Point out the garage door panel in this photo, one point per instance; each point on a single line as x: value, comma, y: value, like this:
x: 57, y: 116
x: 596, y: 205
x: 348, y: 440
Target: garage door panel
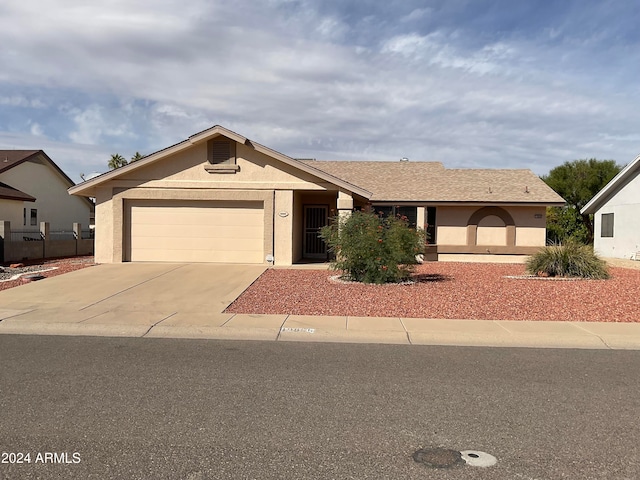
x: 203, y: 232
x: 196, y: 231
x: 170, y: 244
x: 190, y: 216
x: 196, y: 256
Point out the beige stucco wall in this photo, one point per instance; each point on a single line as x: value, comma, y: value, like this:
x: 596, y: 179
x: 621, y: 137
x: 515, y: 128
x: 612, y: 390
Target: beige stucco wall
x: 53, y: 203
x: 530, y: 226
x: 183, y: 176
x: 104, y: 239
x: 283, y: 227
x: 12, y: 211
x: 461, y: 257
x: 186, y: 169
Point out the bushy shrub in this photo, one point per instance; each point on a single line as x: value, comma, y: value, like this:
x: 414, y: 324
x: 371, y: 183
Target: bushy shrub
x: 372, y: 249
x: 569, y: 259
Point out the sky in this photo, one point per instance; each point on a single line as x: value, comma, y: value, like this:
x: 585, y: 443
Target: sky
x: 472, y: 84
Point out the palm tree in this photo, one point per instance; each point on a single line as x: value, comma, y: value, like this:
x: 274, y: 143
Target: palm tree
x: 116, y: 161
x: 136, y: 157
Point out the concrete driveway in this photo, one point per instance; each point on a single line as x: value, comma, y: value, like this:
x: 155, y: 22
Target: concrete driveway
x: 126, y: 299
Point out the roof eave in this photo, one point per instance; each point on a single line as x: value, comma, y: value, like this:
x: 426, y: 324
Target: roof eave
x: 88, y: 188
x: 475, y: 202
x: 609, y: 189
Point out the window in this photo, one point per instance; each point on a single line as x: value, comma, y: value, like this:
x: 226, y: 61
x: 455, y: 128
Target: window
x: 431, y: 225
x: 24, y: 216
x: 410, y: 212
x: 34, y: 217
x: 606, y: 225
x: 221, y: 156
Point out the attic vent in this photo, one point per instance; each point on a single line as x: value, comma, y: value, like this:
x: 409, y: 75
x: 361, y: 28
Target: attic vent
x: 221, y: 152
x: 221, y: 156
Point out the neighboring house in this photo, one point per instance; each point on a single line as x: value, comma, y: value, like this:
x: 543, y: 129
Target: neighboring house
x: 33, y: 189
x: 220, y: 197
x: 616, y: 215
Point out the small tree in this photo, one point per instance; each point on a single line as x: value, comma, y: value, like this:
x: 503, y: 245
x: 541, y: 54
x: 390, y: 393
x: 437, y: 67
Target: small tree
x: 136, y: 156
x: 371, y: 249
x: 577, y: 182
x: 563, y: 223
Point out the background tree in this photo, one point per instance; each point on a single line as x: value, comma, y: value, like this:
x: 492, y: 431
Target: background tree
x: 136, y: 156
x: 116, y: 161
x: 577, y: 182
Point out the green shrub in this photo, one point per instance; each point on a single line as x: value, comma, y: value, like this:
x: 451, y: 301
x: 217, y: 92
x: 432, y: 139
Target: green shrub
x: 372, y: 249
x: 569, y: 259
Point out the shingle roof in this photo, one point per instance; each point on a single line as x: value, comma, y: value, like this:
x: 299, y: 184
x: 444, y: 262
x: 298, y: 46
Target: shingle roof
x: 10, y: 158
x: 629, y: 172
x: 10, y: 193
x: 432, y: 182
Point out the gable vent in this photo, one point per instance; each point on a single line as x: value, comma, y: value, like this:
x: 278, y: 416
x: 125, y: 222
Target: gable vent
x: 221, y: 152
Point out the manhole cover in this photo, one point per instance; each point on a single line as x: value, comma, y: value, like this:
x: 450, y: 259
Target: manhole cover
x: 439, y: 457
x: 478, y: 459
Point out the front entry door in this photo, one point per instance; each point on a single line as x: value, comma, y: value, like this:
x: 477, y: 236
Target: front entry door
x: 315, y: 217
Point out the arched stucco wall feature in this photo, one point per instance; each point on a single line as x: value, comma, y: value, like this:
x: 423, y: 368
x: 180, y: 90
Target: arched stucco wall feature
x: 502, y: 214
x: 491, y: 231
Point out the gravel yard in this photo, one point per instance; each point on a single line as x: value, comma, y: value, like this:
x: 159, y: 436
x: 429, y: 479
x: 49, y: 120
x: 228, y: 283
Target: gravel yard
x: 46, y: 268
x: 449, y: 290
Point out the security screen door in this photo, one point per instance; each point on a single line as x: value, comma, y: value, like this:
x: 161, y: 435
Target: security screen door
x: 315, y: 217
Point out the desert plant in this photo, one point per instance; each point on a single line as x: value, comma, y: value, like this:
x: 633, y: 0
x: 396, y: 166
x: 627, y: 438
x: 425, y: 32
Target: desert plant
x: 569, y: 259
x: 372, y: 249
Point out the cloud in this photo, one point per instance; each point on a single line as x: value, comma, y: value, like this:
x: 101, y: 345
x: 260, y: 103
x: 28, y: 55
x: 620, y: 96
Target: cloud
x: 92, y: 125
x: 467, y: 83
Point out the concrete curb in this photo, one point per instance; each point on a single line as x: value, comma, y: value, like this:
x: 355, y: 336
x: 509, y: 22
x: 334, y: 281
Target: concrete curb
x: 394, y: 331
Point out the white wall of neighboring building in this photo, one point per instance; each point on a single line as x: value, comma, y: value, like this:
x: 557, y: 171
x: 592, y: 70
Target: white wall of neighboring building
x: 53, y: 202
x: 625, y: 206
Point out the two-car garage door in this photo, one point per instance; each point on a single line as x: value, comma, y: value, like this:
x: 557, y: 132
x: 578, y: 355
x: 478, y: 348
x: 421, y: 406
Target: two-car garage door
x: 195, y: 231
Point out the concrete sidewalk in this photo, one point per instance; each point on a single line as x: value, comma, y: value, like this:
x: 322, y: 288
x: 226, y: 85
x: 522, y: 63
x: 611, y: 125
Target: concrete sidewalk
x: 186, y: 301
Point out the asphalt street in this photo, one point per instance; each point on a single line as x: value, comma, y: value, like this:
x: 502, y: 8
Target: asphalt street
x: 140, y: 408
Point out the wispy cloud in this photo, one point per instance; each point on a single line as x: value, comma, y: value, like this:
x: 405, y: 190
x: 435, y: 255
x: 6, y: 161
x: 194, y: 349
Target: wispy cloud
x: 479, y: 83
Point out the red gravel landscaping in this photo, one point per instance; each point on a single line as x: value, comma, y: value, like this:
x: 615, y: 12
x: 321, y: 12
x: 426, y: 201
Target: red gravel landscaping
x: 58, y: 266
x: 448, y: 290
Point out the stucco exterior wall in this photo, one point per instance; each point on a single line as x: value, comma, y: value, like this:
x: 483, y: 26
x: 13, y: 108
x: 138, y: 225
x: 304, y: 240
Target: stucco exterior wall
x: 11, y: 211
x: 624, y: 205
x: 283, y: 227
x: 53, y: 203
x: 458, y: 234
x: 282, y: 189
x: 186, y: 169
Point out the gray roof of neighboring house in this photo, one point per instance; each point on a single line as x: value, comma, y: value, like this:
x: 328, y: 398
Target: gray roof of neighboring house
x: 627, y: 174
x: 9, y: 193
x: 12, y: 158
x: 432, y: 182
